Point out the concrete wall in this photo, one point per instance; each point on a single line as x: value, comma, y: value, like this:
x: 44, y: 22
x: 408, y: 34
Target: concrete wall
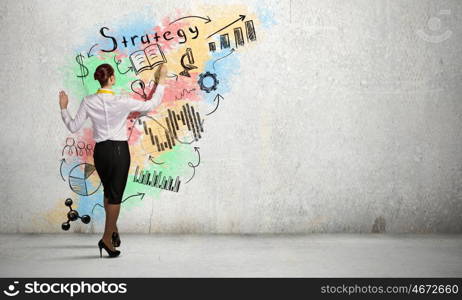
x: 345, y: 116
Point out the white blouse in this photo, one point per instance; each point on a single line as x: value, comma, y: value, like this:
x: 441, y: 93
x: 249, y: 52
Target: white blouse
x: 108, y: 113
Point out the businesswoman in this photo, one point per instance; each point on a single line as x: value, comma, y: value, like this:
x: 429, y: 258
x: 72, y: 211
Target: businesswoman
x: 108, y: 113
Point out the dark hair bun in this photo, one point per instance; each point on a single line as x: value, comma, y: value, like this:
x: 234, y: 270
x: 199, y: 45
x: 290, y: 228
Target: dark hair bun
x: 103, y: 72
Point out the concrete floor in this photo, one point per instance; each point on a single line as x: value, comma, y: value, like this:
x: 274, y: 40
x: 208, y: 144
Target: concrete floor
x: 316, y: 255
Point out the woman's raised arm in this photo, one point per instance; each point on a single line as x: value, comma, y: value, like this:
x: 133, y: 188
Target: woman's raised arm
x: 72, y: 124
x: 157, y: 90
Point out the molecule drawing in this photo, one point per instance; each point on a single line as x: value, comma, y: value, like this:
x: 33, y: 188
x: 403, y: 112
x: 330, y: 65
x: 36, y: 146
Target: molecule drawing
x: 73, y: 215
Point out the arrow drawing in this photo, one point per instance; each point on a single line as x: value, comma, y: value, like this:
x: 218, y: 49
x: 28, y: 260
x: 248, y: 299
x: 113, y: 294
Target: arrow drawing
x: 60, y: 168
x: 89, y: 51
x: 194, y: 166
x: 174, y: 76
x: 97, y: 204
x: 198, y: 163
x: 230, y: 52
x: 152, y: 160
x: 241, y: 18
x: 118, y: 62
x: 194, y: 173
x: 138, y: 194
x: 217, y: 98
x: 206, y: 19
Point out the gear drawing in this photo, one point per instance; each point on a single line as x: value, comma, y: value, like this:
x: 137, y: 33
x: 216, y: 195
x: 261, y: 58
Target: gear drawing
x: 212, y: 76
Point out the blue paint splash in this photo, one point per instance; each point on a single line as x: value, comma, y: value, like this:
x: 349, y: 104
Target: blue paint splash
x: 265, y: 15
x: 225, y: 69
x: 128, y: 26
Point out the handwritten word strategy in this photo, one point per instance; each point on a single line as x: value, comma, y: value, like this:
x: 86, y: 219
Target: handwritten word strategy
x: 182, y: 35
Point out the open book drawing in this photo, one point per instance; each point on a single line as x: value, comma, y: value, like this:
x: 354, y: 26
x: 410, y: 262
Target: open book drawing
x: 147, y: 59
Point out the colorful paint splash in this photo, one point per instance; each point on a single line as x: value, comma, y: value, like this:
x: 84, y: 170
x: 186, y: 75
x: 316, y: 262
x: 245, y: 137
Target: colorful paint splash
x: 201, y: 52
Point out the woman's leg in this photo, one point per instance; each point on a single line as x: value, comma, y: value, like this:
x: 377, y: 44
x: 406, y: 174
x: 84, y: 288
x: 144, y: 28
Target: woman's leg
x: 116, y: 187
x: 112, y: 213
x: 107, y: 225
x: 103, y: 160
x: 105, y: 208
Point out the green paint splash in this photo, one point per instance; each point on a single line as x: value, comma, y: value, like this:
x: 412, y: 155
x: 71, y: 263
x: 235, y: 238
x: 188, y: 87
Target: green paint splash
x: 81, y: 87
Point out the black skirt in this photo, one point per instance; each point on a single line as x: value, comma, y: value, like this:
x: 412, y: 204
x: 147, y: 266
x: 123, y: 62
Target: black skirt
x: 112, y: 162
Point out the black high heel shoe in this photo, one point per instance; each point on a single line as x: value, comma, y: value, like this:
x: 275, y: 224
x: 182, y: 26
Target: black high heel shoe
x: 115, y: 239
x: 111, y: 253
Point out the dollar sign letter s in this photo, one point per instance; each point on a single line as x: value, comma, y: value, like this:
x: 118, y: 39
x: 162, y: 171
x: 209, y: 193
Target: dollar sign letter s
x: 83, y: 70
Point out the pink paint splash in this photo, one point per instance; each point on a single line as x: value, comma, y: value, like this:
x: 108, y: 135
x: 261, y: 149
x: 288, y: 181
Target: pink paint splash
x: 182, y: 89
x: 133, y: 133
x: 87, y: 137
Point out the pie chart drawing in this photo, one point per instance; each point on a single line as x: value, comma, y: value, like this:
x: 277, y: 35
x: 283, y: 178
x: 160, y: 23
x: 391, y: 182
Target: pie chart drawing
x: 82, y: 184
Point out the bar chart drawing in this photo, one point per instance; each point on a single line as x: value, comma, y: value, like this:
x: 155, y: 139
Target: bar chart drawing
x: 224, y: 41
x: 238, y: 37
x: 174, y: 123
x: 155, y: 179
x: 238, y: 33
x: 250, y: 30
x: 212, y: 47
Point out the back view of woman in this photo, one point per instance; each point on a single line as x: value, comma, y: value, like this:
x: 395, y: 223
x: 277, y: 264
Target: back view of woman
x: 108, y: 113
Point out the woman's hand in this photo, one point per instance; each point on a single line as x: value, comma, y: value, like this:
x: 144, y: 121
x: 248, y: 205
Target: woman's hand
x: 160, y: 74
x: 159, y: 77
x: 63, y: 99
